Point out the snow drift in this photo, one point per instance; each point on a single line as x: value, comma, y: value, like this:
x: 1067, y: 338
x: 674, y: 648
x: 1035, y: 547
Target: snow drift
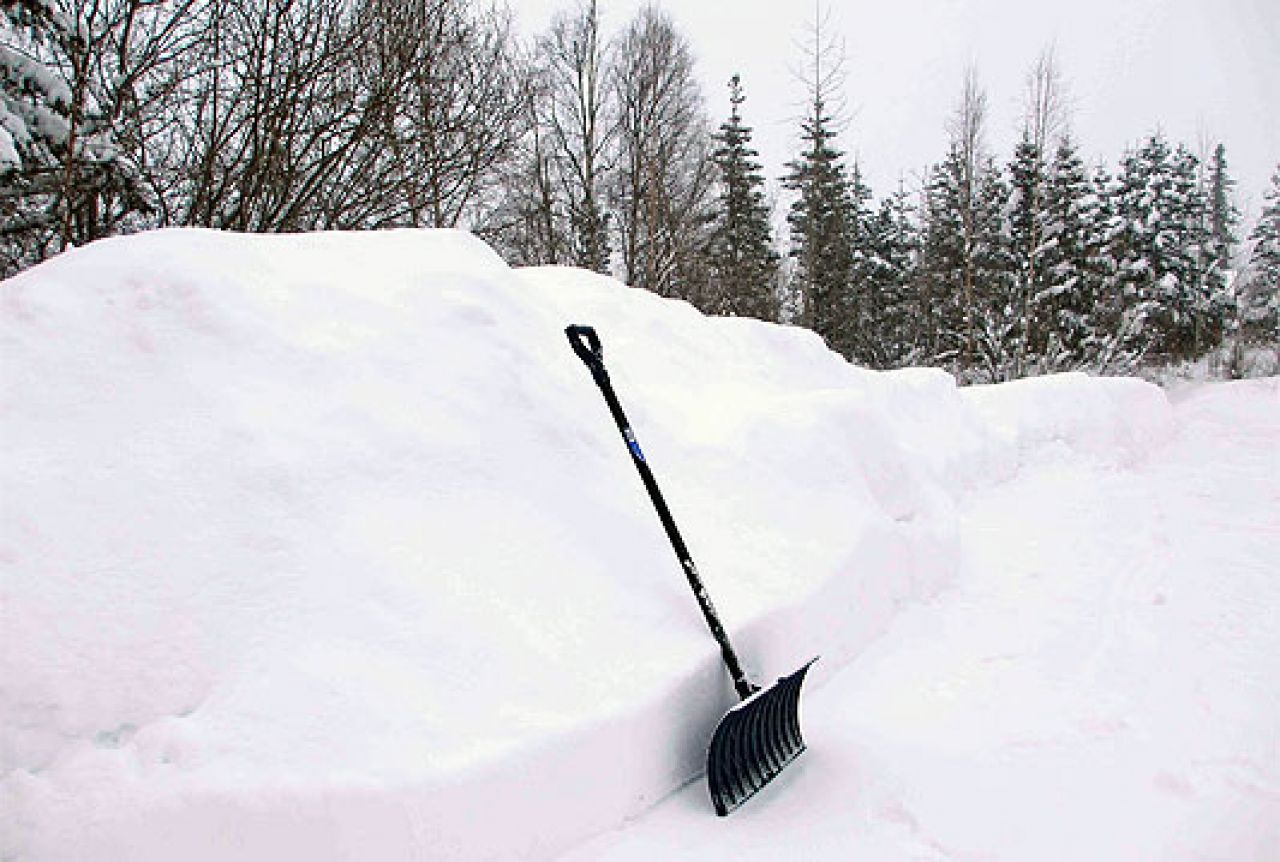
x: 324, y: 546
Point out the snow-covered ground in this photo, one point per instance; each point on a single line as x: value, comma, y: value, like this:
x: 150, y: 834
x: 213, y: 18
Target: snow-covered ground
x: 325, y: 547
x: 1101, y: 683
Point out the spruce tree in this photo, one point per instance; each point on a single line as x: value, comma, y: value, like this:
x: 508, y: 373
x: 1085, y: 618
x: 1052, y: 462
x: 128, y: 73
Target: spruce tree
x: 1065, y: 308
x: 966, y: 260
x: 944, y: 256
x: 1260, y: 296
x: 819, y: 222
x: 71, y: 120
x: 1169, y: 280
x: 743, y: 261
x: 1028, y: 178
x: 1203, y: 302
x: 968, y: 269
x: 1044, y: 124
x: 866, y: 268
x: 892, y: 309
x: 35, y: 127
x: 995, y: 267
x: 1152, y: 261
x: 820, y: 216
x: 1114, y: 343
x: 1224, y: 217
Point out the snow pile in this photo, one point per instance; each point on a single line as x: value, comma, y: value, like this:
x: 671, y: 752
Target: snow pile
x: 1098, y: 684
x: 325, y: 546
x: 1116, y: 420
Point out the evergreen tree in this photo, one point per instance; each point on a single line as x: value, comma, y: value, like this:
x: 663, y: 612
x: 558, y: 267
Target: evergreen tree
x: 1224, y: 217
x: 967, y: 270
x: 820, y: 216
x: 1133, y: 245
x: 943, y: 263
x: 1260, y: 296
x: 892, y: 309
x: 1065, y: 307
x: 74, y: 109
x: 1204, y: 305
x: 35, y: 107
x: 1113, y: 344
x: 966, y: 256
x: 819, y: 222
x: 866, y: 269
x: 1165, y: 281
x: 995, y: 267
x: 1028, y: 177
x: 743, y: 262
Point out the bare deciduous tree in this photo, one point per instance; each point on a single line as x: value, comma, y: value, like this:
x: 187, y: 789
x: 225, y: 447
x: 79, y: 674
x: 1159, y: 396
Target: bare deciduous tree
x: 455, y: 97
x: 530, y: 224
x: 967, y: 129
x: 1045, y: 103
x: 554, y: 210
x: 663, y: 188
x: 272, y: 116
x: 312, y: 114
x: 580, y: 127
x: 1044, y: 123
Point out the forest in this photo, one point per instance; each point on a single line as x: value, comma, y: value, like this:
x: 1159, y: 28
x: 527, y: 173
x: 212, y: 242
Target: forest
x: 600, y: 150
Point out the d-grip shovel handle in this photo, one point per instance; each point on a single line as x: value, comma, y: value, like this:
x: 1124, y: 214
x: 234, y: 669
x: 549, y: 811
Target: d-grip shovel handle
x: 586, y: 343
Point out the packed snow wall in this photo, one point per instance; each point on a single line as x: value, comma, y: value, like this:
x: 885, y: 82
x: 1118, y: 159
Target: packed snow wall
x: 326, y: 547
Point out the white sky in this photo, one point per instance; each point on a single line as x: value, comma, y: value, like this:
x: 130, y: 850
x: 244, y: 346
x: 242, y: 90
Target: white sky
x: 1198, y: 69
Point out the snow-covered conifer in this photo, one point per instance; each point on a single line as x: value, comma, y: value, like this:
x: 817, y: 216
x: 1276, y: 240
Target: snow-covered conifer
x: 944, y: 262
x: 967, y: 265
x: 1044, y: 122
x: 1224, y: 216
x: 1160, y: 204
x: 1065, y: 306
x: 1028, y: 228
x: 893, y: 309
x: 743, y: 261
x: 820, y: 216
x: 83, y: 96
x: 1260, y: 296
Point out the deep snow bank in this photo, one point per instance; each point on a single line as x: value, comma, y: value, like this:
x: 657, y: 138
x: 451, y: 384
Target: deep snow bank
x: 324, y: 546
x: 1112, y: 420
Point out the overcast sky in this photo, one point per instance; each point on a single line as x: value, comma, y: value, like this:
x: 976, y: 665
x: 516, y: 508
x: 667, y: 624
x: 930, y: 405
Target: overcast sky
x: 1198, y: 69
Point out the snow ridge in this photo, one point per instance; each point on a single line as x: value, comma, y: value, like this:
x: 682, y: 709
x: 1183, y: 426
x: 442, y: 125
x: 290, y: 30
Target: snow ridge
x: 325, y: 547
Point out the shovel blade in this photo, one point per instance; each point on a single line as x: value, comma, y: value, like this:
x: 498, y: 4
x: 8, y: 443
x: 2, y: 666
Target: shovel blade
x: 754, y: 742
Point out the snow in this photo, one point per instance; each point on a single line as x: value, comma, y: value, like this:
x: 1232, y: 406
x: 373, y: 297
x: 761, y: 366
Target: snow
x: 1098, y: 684
x: 325, y: 547
x: 18, y: 119
x: 9, y: 158
x: 29, y: 75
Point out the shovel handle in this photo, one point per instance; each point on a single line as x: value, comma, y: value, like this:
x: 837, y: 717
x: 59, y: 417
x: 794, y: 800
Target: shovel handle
x: 586, y: 343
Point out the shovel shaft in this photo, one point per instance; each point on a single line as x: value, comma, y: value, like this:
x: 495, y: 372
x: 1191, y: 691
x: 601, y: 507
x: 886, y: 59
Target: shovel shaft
x: 586, y: 344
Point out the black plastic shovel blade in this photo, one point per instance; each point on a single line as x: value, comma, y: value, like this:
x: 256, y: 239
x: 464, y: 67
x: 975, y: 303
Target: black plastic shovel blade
x: 755, y: 741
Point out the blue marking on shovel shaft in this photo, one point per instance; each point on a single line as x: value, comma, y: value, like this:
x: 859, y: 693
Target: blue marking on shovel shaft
x: 633, y: 445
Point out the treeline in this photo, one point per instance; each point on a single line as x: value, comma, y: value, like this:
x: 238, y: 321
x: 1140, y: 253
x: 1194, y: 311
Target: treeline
x: 596, y: 150
x: 1035, y: 264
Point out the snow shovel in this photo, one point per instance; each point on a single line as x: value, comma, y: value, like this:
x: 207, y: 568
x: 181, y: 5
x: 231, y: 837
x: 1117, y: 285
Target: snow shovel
x: 759, y: 736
